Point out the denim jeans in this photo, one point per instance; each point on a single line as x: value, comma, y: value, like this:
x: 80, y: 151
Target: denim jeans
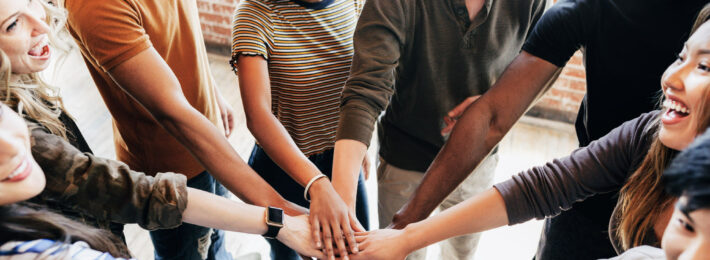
x: 191, y: 242
x: 292, y: 191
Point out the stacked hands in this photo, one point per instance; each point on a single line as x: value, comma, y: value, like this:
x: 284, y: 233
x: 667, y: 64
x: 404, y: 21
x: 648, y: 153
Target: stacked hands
x: 337, y: 234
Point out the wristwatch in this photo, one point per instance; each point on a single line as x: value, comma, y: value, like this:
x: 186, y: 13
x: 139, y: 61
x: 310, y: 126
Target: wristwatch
x: 274, y: 221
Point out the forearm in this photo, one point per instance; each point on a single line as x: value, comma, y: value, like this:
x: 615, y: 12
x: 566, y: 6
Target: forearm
x: 278, y: 144
x: 482, y: 212
x: 209, y: 210
x: 208, y: 145
x: 478, y: 131
x: 347, y: 160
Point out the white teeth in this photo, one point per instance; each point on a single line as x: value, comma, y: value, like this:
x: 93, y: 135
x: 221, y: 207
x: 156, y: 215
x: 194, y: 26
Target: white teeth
x: 677, y: 106
x: 17, y: 171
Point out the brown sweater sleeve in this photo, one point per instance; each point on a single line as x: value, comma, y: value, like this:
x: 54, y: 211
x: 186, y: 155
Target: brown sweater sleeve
x: 601, y: 167
x: 106, y: 189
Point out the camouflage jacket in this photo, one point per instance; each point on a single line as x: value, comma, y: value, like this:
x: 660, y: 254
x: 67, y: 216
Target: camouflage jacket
x: 98, y: 191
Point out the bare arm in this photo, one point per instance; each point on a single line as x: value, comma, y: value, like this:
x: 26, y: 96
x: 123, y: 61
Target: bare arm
x: 202, y: 207
x: 152, y: 83
x: 327, y: 208
x: 482, y: 212
x: 480, y: 128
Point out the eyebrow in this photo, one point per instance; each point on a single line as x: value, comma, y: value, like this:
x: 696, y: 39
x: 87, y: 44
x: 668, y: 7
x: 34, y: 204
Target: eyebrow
x: 11, y: 16
x: 687, y: 215
x: 704, y: 51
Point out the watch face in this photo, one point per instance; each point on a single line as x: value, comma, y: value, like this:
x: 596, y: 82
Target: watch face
x: 276, y: 215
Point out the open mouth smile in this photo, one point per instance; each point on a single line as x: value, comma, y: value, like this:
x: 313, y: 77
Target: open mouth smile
x: 676, y: 111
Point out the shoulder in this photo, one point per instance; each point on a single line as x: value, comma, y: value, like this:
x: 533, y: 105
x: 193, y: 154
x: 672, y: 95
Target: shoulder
x: 642, y: 253
x: 257, y: 6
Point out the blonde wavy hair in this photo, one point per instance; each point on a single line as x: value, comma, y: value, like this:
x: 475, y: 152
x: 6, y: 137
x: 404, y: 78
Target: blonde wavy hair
x: 29, y: 94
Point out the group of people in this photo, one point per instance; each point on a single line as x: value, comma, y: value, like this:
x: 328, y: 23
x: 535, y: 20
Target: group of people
x: 451, y: 77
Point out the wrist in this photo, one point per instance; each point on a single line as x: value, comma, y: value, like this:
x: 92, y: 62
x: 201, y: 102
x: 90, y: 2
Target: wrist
x: 319, y: 186
x: 412, y: 238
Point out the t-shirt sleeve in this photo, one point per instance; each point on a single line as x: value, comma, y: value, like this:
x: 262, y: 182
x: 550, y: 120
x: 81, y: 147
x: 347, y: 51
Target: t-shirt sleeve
x: 601, y: 167
x: 111, y: 32
x: 561, y: 31
x: 251, y: 30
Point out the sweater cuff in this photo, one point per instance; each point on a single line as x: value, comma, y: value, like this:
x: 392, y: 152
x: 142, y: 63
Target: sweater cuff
x: 515, y: 201
x: 356, y: 123
x: 169, y: 201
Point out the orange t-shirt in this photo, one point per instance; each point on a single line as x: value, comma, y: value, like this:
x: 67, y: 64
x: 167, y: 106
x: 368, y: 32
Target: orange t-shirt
x: 113, y: 31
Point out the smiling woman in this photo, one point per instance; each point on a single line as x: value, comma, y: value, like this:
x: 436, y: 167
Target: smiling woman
x: 28, y: 30
x: 29, y: 232
x: 20, y: 176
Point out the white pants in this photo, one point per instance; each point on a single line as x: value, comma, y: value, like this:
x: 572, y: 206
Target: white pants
x: 396, y: 185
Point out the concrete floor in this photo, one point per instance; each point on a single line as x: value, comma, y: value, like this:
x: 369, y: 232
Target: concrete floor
x: 531, y: 142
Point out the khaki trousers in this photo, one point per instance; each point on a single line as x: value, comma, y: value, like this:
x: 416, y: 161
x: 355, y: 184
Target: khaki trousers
x: 396, y: 185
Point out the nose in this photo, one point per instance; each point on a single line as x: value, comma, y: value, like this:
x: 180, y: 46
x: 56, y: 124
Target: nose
x: 8, y: 147
x: 36, y: 18
x: 674, y: 75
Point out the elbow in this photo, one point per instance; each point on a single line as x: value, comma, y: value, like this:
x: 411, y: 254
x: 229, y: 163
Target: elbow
x: 497, y: 126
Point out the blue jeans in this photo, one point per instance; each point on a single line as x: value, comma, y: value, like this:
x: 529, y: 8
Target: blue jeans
x: 189, y: 241
x: 292, y: 191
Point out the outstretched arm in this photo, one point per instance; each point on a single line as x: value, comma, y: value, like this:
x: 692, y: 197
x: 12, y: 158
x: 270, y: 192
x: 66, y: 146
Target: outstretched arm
x: 482, y: 212
x: 81, y: 180
x: 148, y: 79
x: 202, y: 207
x: 327, y: 211
x: 478, y: 130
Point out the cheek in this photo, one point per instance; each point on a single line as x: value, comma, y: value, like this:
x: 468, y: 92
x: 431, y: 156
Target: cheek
x: 672, y: 244
x: 17, y: 54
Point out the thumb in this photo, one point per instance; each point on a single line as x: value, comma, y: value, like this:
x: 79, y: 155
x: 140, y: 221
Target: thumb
x: 355, y: 224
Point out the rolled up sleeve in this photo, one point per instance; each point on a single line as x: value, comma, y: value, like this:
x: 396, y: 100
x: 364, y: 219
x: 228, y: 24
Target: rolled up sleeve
x: 106, y: 189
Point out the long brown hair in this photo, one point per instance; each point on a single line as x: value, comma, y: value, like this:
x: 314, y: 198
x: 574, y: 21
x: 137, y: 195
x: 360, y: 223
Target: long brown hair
x: 643, y: 198
x: 26, y: 222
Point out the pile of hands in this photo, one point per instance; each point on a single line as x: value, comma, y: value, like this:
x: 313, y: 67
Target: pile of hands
x: 332, y: 231
x: 313, y: 238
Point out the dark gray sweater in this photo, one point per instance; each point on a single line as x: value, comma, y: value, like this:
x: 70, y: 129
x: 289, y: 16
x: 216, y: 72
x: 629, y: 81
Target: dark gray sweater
x: 601, y: 167
x: 418, y: 59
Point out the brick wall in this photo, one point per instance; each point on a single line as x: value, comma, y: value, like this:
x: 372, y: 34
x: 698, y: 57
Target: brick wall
x: 560, y: 103
x: 216, y: 19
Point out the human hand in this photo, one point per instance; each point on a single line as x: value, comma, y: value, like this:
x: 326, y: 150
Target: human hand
x: 453, y: 115
x: 227, y: 113
x: 331, y: 220
x: 296, y: 234
x: 401, y: 219
x: 382, y: 244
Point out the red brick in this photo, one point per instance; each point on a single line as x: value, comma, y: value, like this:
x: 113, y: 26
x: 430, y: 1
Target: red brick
x: 576, y: 59
x: 574, y: 71
x: 215, y: 19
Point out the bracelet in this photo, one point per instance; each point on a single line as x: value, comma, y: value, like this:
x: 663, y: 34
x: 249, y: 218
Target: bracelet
x: 314, y: 179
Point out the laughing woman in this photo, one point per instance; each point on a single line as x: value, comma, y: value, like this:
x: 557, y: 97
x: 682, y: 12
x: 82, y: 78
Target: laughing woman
x: 84, y: 187
x: 632, y: 158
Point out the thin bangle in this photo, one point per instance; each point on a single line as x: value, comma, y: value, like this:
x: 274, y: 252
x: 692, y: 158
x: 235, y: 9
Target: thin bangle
x: 314, y: 179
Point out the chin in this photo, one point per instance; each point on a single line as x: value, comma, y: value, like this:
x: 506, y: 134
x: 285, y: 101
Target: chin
x: 673, y: 140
